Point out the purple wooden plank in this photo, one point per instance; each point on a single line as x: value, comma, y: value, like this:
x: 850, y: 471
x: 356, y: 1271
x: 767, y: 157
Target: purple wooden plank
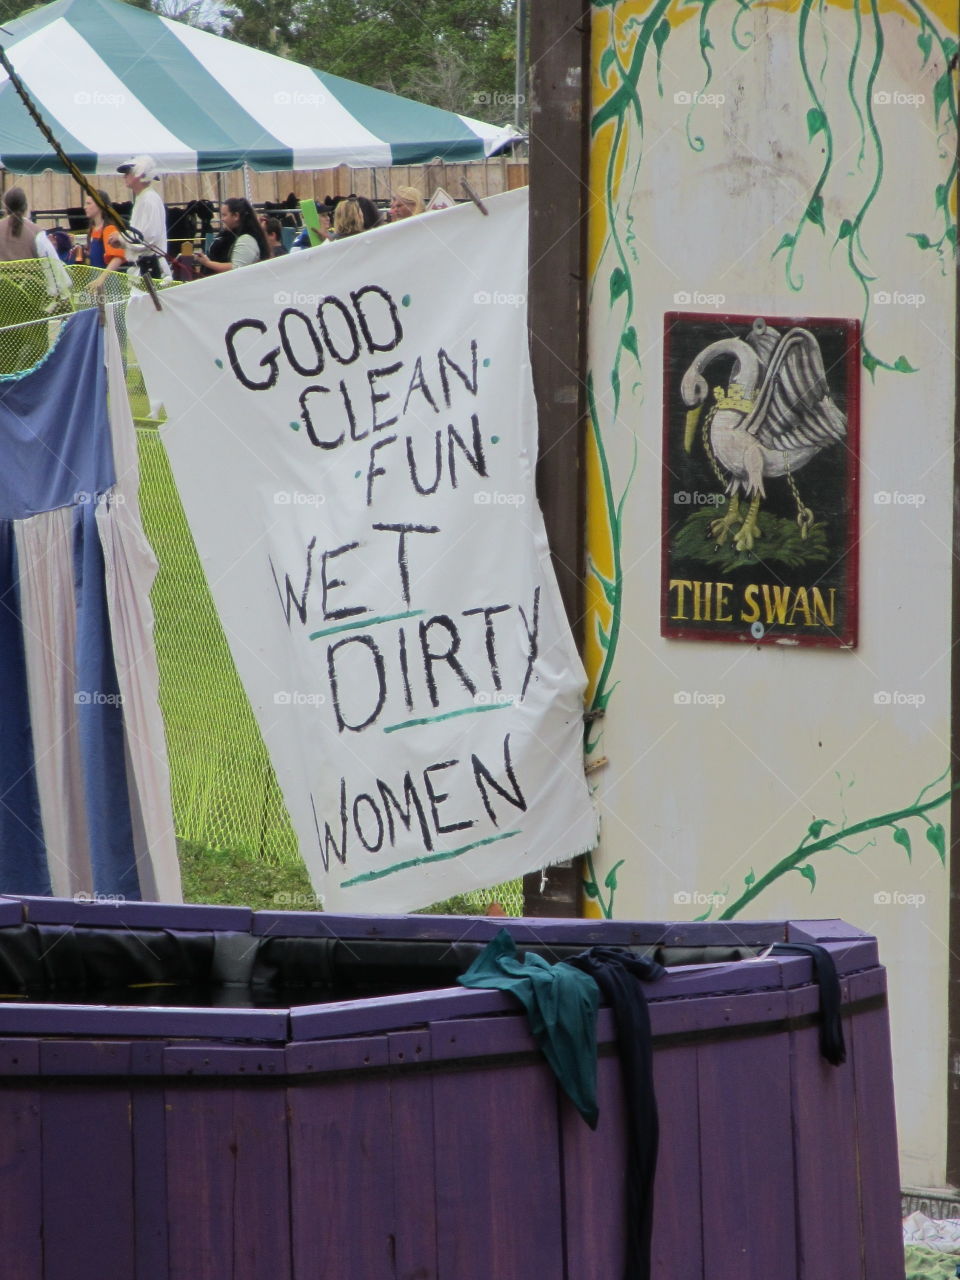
x: 11, y: 911
x: 386, y: 1013
x: 475, y: 1037
x: 868, y: 1042
x: 342, y: 1190
x: 684, y: 981
x: 746, y: 1160
x: 686, y: 1017
x: 146, y: 1058
x: 261, y: 1203
x: 825, y: 1159
x: 320, y: 1056
x: 21, y: 1222
x: 150, y: 1180
x: 677, y: 1248
x: 84, y: 1058
x: 136, y: 915
x: 499, y: 1184
x: 87, y: 1183
x: 179, y: 1060
x: 414, y: 1172
x: 584, y: 933
x: 394, y: 1013
x: 19, y: 1058
x: 116, y: 1020
x: 594, y: 1181
x: 200, y: 1139
x: 822, y: 931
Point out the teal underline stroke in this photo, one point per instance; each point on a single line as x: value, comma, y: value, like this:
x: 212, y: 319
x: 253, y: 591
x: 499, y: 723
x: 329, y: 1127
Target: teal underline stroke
x: 361, y: 623
x: 419, y: 862
x: 448, y: 715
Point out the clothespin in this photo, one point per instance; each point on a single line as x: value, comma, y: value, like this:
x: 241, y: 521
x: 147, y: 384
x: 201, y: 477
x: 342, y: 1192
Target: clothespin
x: 474, y: 197
x: 101, y: 309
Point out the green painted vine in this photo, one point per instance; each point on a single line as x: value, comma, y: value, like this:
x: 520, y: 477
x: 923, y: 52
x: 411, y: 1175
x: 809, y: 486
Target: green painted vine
x: 818, y: 839
x: 624, y: 108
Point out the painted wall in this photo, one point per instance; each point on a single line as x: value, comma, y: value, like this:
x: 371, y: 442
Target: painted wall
x: 781, y: 159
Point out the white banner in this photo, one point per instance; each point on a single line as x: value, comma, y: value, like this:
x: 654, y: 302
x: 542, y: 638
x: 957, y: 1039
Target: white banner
x: 353, y: 433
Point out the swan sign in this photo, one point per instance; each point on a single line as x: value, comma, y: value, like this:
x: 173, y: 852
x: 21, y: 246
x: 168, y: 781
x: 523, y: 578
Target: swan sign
x: 352, y: 430
x: 760, y: 479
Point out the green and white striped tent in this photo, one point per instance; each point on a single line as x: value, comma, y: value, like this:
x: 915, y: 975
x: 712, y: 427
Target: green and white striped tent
x: 114, y: 81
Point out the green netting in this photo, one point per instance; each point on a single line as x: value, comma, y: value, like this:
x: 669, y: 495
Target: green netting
x: 225, y: 793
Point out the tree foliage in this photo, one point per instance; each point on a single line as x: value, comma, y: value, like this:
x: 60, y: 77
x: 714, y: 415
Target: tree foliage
x: 456, y: 54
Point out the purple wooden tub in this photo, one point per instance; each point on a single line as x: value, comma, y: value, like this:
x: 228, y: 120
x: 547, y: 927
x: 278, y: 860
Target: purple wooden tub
x: 158, y: 1118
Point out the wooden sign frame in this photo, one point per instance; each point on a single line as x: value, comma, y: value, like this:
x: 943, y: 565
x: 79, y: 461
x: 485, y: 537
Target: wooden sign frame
x: 760, y: 479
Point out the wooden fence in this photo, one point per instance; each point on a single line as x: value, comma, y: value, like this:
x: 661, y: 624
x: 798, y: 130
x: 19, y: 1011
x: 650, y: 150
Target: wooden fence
x: 57, y: 192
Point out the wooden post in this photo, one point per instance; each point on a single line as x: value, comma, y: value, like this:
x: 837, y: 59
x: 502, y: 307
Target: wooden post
x: 953, y: 950
x: 559, y: 154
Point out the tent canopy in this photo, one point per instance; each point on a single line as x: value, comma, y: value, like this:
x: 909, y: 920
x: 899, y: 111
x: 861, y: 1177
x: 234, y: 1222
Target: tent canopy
x: 114, y: 81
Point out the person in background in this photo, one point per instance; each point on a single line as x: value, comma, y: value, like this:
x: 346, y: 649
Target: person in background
x: 21, y: 239
x: 370, y: 212
x: 406, y: 202
x: 250, y: 245
x: 302, y: 239
x: 273, y: 230
x: 104, y: 247
x: 62, y: 242
x: 148, y: 216
x: 348, y: 219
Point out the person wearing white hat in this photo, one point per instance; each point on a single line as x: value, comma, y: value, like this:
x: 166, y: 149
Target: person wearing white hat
x: 148, y: 216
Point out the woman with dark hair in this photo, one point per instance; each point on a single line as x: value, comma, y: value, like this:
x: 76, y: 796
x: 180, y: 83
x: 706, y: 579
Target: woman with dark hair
x: 250, y: 245
x: 104, y: 248
x: 19, y: 237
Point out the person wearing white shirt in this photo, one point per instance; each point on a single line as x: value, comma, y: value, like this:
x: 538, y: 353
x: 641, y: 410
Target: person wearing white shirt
x: 148, y: 216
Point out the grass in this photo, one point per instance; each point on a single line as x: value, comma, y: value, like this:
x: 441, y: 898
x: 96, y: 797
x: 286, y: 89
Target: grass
x: 233, y: 879
x: 780, y: 542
